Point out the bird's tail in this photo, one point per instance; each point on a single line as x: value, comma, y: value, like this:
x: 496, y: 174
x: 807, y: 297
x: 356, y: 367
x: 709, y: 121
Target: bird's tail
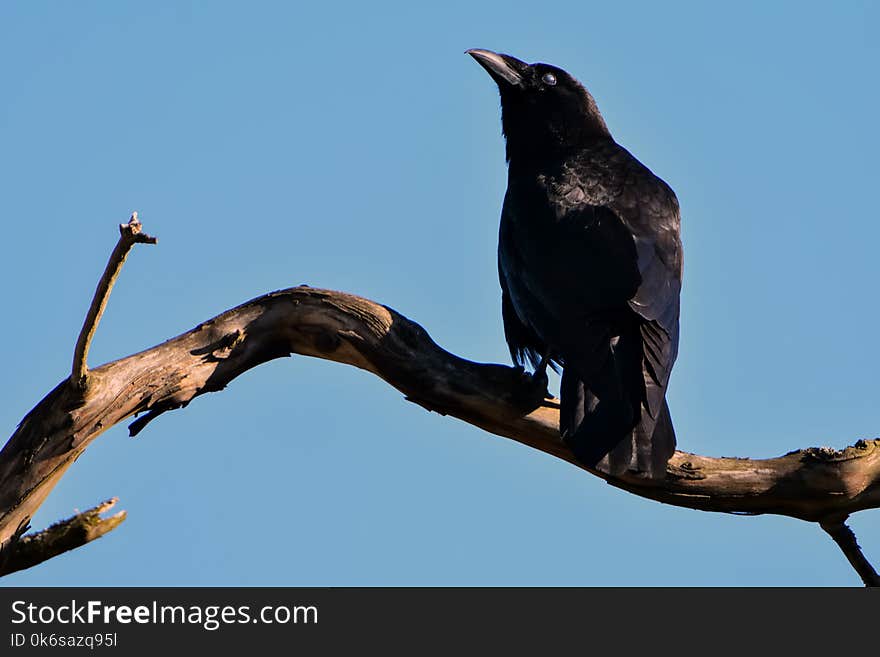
x: 608, y: 425
x: 653, y: 444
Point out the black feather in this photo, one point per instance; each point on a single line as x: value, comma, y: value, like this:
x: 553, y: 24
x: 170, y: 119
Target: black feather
x: 589, y: 260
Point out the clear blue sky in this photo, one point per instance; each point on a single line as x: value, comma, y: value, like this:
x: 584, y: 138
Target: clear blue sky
x: 356, y: 147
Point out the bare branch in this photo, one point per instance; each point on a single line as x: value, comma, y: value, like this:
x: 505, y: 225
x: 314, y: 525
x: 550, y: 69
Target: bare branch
x: 846, y: 541
x: 129, y: 235
x: 810, y: 484
x: 61, y: 537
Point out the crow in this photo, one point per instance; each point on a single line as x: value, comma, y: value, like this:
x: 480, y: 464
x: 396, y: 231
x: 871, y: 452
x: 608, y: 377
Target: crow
x: 590, y: 264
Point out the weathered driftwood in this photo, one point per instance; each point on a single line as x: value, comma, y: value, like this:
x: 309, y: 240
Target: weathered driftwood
x: 815, y: 484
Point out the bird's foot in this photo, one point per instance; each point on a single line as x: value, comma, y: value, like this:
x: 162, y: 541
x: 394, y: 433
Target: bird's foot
x: 531, y: 387
x: 540, y: 381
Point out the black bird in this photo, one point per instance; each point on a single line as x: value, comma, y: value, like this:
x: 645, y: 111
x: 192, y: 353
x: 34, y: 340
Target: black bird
x: 590, y: 262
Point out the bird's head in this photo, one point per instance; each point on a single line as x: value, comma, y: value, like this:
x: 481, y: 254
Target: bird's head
x: 545, y: 112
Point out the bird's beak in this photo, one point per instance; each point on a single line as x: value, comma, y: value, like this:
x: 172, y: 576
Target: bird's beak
x: 504, y: 69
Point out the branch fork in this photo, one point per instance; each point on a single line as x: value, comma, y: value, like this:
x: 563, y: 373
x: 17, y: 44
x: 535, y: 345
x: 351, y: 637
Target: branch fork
x: 129, y: 235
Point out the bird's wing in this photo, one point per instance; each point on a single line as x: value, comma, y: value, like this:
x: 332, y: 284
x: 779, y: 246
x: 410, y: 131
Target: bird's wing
x: 643, y: 369
x: 654, y: 221
x: 649, y: 215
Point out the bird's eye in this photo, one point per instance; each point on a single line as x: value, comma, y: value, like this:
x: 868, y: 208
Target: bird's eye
x: 549, y: 79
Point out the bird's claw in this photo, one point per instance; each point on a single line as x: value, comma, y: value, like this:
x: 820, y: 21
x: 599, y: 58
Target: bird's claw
x: 541, y: 382
x: 532, y: 387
